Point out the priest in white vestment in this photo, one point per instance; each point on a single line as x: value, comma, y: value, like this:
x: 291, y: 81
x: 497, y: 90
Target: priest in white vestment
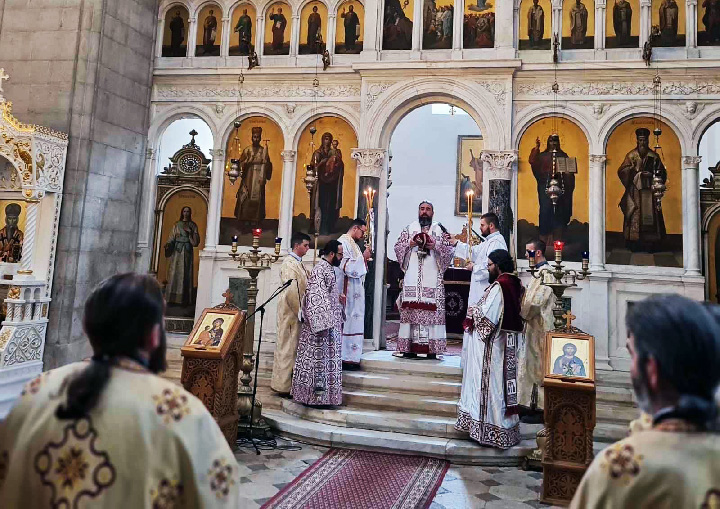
x: 479, y: 281
x: 424, y: 255
x: 351, y: 283
x: 109, y: 432
x: 288, y: 313
x: 536, y: 310
x: 488, y: 404
x: 317, y: 377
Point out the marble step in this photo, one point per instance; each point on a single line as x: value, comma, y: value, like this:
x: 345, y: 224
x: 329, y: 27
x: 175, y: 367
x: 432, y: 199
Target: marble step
x: 615, y: 413
x: 401, y: 402
x: 382, y: 361
x: 414, y: 384
x: 459, y: 451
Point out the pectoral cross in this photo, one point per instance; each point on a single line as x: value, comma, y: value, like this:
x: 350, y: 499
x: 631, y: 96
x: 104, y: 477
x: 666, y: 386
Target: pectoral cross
x: 3, y: 77
x: 228, y: 297
x: 569, y: 317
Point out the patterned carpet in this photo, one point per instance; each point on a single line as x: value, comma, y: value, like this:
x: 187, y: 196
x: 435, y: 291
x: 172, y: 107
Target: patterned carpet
x: 363, y: 480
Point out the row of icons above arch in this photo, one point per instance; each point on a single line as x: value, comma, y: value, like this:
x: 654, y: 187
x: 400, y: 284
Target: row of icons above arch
x: 622, y: 26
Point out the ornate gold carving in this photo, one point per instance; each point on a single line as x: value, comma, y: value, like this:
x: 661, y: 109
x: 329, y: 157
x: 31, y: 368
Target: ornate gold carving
x: 14, y: 292
x: 6, y: 109
x: 5, y: 337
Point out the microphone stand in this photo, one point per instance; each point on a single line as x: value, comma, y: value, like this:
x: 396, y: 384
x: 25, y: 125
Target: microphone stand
x: 260, y: 309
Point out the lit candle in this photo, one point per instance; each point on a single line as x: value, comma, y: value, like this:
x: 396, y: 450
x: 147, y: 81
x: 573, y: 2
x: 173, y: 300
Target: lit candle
x: 257, y: 232
x: 531, y: 257
x: 558, y: 244
x: 234, y: 243
x: 585, y: 260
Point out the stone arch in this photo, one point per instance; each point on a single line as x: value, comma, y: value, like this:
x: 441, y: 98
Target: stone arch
x: 239, y: 3
x: 162, y: 121
x: 531, y: 115
x: 336, y: 4
x: 186, y: 187
x: 675, y: 122
x: 200, y: 6
x: 254, y: 111
x: 328, y: 111
x: 703, y: 123
x: 403, y: 97
x: 167, y: 6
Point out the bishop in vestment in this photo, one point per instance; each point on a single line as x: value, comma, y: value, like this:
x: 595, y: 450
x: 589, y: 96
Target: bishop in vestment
x: 288, y: 313
x: 351, y: 282
x: 424, y: 255
x: 488, y: 399
x: 317, y: 377
x: 108, y: 432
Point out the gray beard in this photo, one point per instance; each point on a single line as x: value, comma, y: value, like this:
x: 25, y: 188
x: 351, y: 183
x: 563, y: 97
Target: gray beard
x: 425, y: 221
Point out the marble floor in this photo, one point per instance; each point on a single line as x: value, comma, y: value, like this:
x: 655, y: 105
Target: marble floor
x: 261, y: 477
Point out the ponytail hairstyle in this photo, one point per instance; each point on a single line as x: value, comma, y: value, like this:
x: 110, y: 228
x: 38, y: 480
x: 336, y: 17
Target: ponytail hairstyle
x: 119, y: 316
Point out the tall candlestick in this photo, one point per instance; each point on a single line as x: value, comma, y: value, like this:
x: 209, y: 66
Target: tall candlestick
x: 469, y: 194
x: 558, y: 245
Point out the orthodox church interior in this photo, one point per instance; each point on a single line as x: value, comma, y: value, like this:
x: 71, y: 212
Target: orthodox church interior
x: 140, y: 115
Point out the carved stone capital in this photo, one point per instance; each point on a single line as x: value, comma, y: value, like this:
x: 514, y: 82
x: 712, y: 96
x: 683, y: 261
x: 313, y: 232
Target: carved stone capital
x: 498, y: 164
x: 369, y: 161
x: 598, y: 158
x: 288, y: 156
x: 150, y: 153
x: 691, y: 162
x: 217, y: 153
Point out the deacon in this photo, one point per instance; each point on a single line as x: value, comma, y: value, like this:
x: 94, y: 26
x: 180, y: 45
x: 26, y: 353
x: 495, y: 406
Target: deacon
x: 644, y: 225
x: 288, y: 313
x: 351, y: 283
x: 488, y: 404
x: 674, y: 347
x: 317, y: 377
x: 537, y: 306
x: 424, y: 255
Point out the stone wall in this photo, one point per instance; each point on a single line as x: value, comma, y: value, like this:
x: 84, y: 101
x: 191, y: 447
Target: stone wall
x: 84, y: 67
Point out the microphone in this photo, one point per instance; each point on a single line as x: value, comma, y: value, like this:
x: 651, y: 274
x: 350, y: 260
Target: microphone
x: 444, y: 230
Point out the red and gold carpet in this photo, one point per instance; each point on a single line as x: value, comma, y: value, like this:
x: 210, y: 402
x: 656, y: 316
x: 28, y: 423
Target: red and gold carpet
x: 363, y: 480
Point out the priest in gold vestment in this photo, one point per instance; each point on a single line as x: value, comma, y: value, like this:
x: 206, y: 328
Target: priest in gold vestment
x: 288, y: 313
x: 674, y: 346
x: 109, y: 432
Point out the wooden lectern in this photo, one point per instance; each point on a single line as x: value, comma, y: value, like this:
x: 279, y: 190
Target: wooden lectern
x: 569, y: 387
x: 211, y: 362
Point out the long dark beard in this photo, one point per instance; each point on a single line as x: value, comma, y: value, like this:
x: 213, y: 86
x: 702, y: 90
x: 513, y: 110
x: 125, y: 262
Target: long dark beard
x: 424, y: 220
x: 492, y: 278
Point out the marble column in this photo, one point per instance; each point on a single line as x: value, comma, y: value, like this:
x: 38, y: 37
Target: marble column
x: 498, y: 168
x: 225, y: 41
x: 215, y: 205
x: 192, y: 37
x: 556, y: 22
x: 370, y: 164
x: 516, y: 26
x: 459, y: 9
x: 259, y: 35
x: 331, y: 28
x: 596, y: 209
x: 645, y: 21
x: 31, y: 224
x: 146, y: 243
x: 295, y: 35
x: 417, y: 29
x: 600, y: 20
x: 159, y: 37
x: 691, y: 215
x: 287, y: 195
x: 372, y: 27
x: 691, y: 25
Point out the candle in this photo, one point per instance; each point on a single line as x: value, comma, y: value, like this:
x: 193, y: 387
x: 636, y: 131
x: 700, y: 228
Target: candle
x: 234, y: 243
x: 531, y: 257
x: 558, y: 244
x: 585, y: 260
x: 257, y: 232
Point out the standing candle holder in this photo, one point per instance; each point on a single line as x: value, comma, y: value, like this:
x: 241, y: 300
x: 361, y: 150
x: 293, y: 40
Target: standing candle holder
x: 310, y: 181
x: 370, y: 218
x: 254, y: 262
x: 470, y: 194
x: 561, y: 275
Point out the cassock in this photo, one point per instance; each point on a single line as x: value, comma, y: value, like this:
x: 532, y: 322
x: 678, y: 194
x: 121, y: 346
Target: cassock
x: 537, y: 306
x: 288, y: 322
x: 148, y: 443
x: 317, y: 377
x: 488, y: 399
x: 480, y: 275
x: 350, y: 277
x: 257, y: 170
x: 671, y: 465
x: 422, y: 299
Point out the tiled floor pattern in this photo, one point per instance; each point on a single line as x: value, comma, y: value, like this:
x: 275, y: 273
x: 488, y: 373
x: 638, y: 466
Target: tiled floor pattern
x: 261, y: 477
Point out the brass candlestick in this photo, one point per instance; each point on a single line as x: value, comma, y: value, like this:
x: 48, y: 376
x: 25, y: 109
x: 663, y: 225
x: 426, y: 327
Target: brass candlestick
x: 310, y: 181
x: 469, y: 196
x: 254, y: 262
x: 369, y: 217
x: 560, y: 285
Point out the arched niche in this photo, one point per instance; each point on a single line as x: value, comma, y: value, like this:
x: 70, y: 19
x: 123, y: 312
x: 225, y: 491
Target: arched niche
x: 578, y: 25
x: 438, y: 24
x: 175, y: 33
x: 398, y: 24
x: 242, y: 38
x: 638, y: 229
x: 313, y: 28
x: 278, y: 27
x: 479, y: 24
x: 535, y: 25
x: 622, y: 24
x: 331, y: 207
x: 668, y: 21
x: 209, y: 31
x: 537, y: 218
x: 175, y: 135
x: 253, y: 200
x: 349, y: 30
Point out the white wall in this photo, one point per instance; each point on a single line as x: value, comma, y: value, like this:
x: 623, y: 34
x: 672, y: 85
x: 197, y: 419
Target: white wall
x: 709, y: 150
x: 426, y: 144
x: 176, y: 135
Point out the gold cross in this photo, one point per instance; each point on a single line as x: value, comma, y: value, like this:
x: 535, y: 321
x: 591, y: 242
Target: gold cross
x: 569, y: 317
x: 228, y: 297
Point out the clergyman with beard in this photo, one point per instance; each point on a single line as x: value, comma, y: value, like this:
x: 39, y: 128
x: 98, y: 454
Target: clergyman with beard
x: 424, y: 255
x: 674, y: 347
x: 317, y: 376
x: 110, y: 426
x: 488, y: 406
